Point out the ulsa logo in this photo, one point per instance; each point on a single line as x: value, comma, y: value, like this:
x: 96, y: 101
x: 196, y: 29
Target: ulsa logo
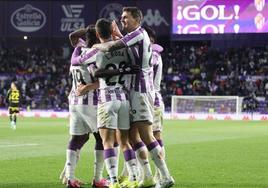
x: 111, y: 11
x: 72, y: 11
x: 28, y: 19
x: 154, y: 18
x: 72, y: 20
x: 259, y: 4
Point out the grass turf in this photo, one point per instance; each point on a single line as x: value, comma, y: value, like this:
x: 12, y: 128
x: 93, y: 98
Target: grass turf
x: 199, y: 153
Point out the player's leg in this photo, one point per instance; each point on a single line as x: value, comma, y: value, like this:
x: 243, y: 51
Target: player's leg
x: 10, y: 114
x: 75, y: 144
x: 110, y: 158
x: 141, y: 152
x: 79, y: 132
x: 107, y: 124
x: 98, y: 180
x: 144, y: 126
x: 157, y: 128
x: 16, y: 111
x: 117, y: 151
x: 11, y: 118
x: 123, y: 135
x: 137, y: 110
x: 158, y: 137
x: 72, y: 153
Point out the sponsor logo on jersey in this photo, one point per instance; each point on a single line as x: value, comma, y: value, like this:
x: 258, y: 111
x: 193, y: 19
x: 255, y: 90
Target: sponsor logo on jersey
x: 28, y: 19
x: 72, y: 20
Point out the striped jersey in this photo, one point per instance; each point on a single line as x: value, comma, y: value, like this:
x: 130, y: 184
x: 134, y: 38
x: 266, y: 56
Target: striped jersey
x: 112, y: 87
x: 139, y: 43
x: 82, y: 74
x: 157, y: 67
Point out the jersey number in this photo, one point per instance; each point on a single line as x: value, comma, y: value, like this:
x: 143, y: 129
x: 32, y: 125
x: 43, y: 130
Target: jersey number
x: 78, y: 77
x: 122, y: 64
x: 15, y: 96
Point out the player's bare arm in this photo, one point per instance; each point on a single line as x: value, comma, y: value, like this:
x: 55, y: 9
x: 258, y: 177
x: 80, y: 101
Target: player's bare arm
x: 74, y: 36
x: 83, y: 89
x: 110, y: 46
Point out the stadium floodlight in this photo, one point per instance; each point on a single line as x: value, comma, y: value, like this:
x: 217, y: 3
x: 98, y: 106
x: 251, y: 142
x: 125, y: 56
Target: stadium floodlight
x: 206, y: 105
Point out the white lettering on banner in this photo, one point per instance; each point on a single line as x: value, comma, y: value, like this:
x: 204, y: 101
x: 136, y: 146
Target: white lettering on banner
x: 72, y: 21
x: 72, y: 11
x: 196, y: 29
x: 28, y: 19
x: 154, y: 19
x: 208, y: 13
x: 193, y: 13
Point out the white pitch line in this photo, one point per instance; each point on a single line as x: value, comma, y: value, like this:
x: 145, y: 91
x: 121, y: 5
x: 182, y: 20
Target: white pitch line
x: 17, y: 145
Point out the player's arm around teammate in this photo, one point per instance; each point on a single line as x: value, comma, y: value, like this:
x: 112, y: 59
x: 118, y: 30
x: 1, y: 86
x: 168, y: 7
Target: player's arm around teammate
x: 113, y: 106
x: 83, y: 112
x: 142, y: 93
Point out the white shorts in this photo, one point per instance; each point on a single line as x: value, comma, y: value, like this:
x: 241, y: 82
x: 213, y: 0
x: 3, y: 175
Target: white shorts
x: 159, y: 109
x: 142, y: 106
x: 83, y: 119
x: 114, y: 115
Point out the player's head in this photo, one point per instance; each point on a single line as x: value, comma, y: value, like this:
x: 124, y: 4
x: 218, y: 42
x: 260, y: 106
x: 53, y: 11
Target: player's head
x: 131, y: 18
x: 91, y: 37
x: 103, y: 28
x: 151, y: 34
x: 13, y: 85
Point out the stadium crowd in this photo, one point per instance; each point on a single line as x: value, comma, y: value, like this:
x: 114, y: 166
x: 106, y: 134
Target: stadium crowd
x: 43, y: 74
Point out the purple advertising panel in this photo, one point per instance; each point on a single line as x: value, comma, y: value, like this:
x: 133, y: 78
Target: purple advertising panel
x: 156, y: 14
x: 72, y: 15
x: 219, y: 16
x: 1, y: 18
x: 112, y: 10
x: 27, y: 18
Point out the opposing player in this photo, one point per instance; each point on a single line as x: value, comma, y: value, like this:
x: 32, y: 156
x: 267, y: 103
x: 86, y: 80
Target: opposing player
x: 83, y: 109
x: 13, y: 101
x: 142, y: 94
x: 113, y: 106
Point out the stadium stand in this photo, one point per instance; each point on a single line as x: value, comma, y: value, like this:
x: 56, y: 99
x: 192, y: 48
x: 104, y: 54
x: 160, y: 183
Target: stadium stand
x: 42, y: 74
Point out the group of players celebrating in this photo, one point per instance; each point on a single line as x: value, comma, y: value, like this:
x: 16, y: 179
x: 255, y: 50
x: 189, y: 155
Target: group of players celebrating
x: 116, y: 96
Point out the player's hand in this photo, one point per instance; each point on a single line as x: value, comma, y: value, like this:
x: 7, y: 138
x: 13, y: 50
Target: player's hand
x: 81, y: 43
x: 134, y: 69
x: 116, y: 33
x: 81, y: 90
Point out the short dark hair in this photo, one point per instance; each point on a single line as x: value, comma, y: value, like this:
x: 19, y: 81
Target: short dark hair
x: 91, y: 37
x: 135, y: 13
x: 151, y: 32
x: 104, y: 28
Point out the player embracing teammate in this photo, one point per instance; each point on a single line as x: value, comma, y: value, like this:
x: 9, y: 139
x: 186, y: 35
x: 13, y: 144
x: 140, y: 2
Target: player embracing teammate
x: 116, y: 59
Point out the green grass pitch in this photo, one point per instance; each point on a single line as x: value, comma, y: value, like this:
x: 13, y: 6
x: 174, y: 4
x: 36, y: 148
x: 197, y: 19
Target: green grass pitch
x: 211, y: 154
